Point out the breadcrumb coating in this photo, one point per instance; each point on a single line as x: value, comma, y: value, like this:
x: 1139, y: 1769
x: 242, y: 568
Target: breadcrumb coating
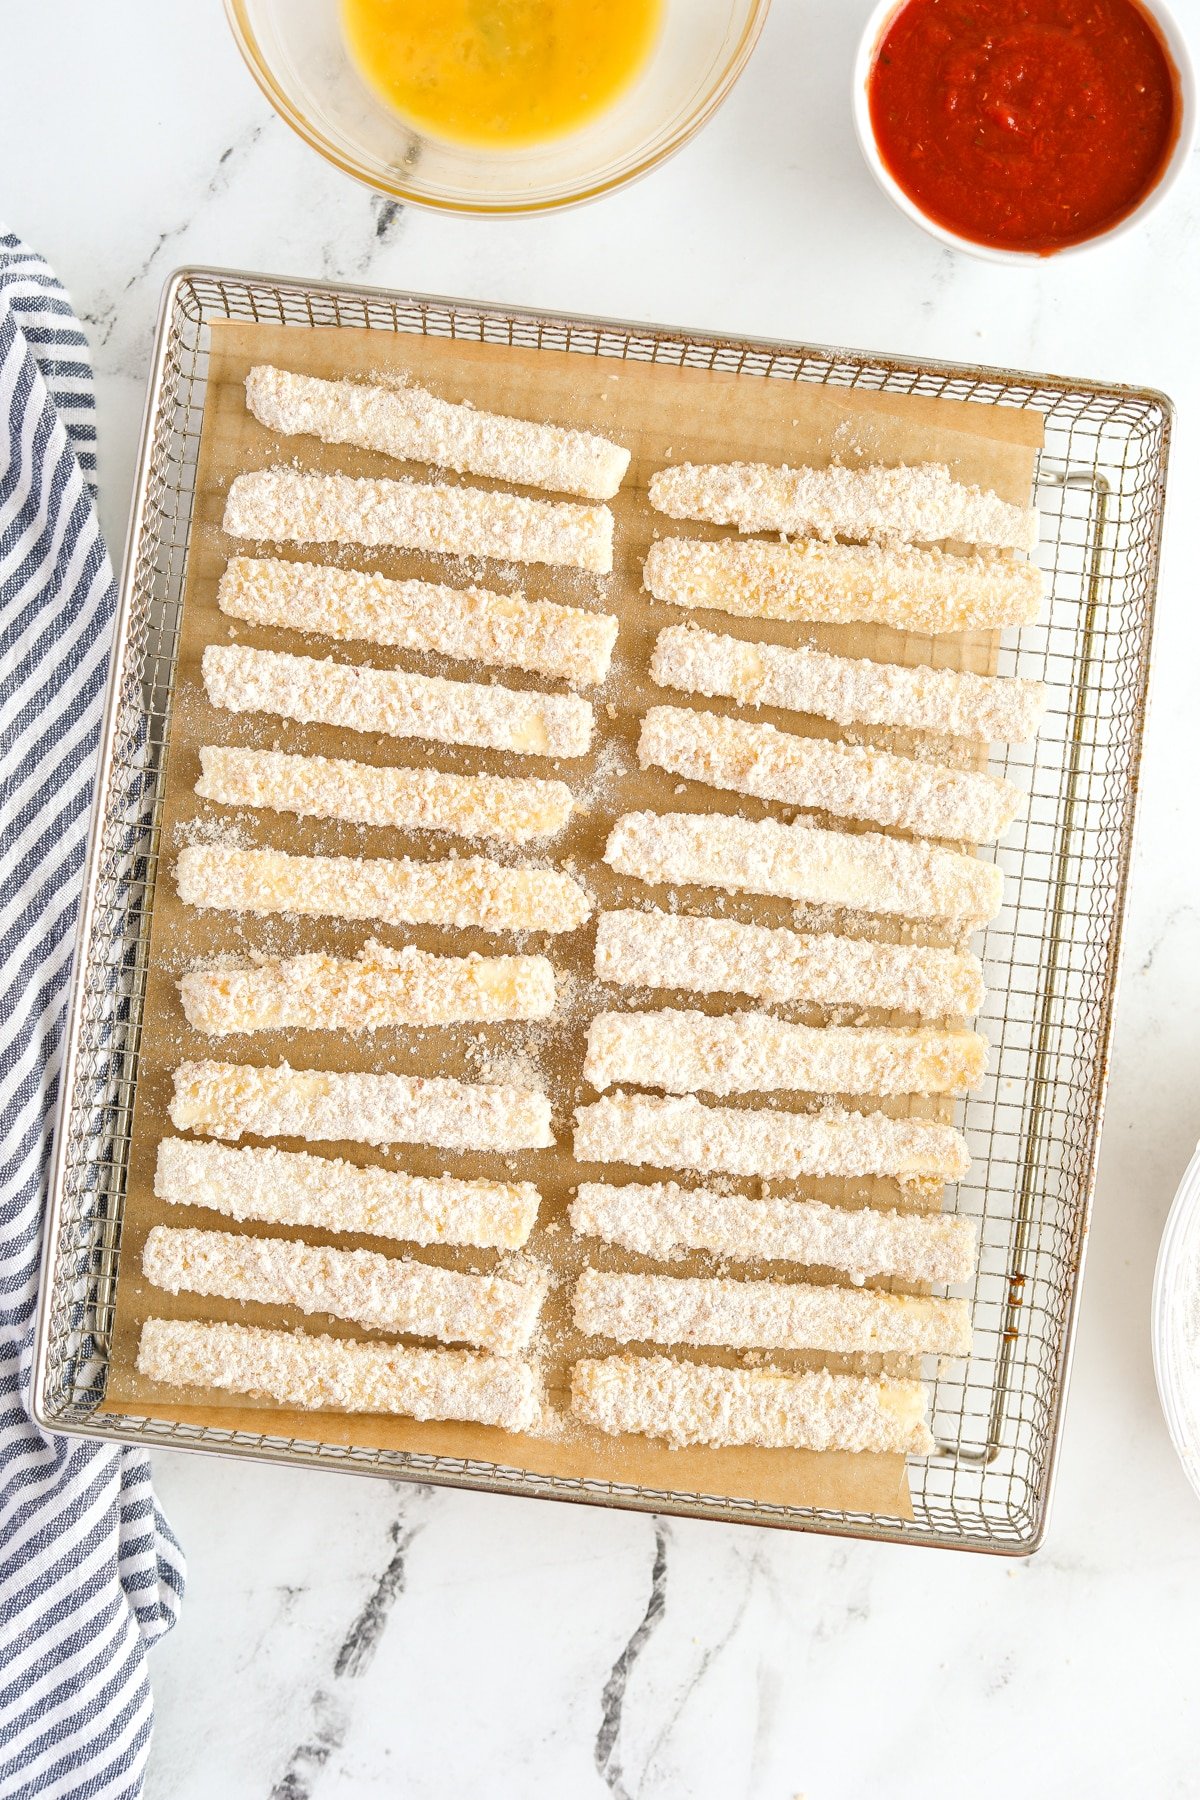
x: 340, y: 1374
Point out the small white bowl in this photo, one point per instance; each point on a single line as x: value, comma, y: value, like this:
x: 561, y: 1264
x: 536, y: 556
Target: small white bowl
x: 1174, y: 1315
x: 881, y: 17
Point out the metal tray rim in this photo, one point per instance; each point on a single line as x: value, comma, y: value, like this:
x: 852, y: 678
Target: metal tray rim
x: 127, y: 1429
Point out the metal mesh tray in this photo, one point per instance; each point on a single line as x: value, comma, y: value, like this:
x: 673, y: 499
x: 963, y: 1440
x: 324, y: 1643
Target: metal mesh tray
x: 1051, y: 957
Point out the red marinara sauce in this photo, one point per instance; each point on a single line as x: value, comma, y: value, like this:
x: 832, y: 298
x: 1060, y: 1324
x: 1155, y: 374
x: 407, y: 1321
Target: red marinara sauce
x: 1024, y: 124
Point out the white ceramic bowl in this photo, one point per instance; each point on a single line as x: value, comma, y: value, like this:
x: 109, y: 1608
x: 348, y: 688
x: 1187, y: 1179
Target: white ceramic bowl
x: 1175, y: 1322
x: 881, y: 17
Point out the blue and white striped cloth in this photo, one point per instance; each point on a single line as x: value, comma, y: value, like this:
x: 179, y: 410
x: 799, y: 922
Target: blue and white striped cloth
x: 89, y: 1571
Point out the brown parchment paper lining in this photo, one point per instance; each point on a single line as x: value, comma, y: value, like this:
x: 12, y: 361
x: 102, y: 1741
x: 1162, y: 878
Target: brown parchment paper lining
x: 663, y: 414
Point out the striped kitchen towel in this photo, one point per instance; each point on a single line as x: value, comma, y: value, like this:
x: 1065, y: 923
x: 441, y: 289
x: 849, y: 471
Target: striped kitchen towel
x: 89, y: 1571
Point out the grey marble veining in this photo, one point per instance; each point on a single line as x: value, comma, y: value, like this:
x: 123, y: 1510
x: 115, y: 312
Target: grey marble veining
x: 608, y: 1749
x: 350, y: 1638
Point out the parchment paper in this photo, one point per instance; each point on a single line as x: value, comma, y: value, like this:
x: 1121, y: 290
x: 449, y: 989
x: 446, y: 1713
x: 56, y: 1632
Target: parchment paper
x: 663, y: 414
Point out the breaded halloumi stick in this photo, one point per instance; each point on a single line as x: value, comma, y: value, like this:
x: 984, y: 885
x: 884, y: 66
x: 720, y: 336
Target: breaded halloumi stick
x: 847, y: 780
x: 340, y: 1374
x: 681, y: 1133
x: 663, y: 1220
x: 756, y: 1053
x: 848, y: 689
x: 918, y: 503
x: 845, y: 584
x: 385, y: 1293
x: 468, y: 624
x: 510, y: 807
x: 724, y: 956
x: 393, y: 703
x: 284, y: 506
x: 767, y: 1315
x: 378, y: 987
x: 863, y: 870
x: 694, y: 1403
x: 290, y: 1187
x: 462, y: 891
x: 227, y: 1099
x: 414, y: 425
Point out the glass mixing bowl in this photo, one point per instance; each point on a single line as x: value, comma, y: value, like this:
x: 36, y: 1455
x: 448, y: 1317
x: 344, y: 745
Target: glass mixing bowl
x: 297, y: 54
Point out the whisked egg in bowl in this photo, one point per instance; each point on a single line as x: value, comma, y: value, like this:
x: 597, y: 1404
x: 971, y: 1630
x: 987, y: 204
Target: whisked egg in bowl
x: 510, y: 108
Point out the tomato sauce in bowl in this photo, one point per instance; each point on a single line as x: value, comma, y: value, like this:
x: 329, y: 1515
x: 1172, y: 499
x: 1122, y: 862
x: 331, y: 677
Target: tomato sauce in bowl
x: 1024, y: 125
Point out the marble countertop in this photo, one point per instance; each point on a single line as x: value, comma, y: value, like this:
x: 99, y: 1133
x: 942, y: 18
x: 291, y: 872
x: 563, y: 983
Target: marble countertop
x: 343, y: 1637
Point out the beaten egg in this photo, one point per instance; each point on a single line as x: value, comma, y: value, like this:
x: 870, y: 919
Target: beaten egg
x: 500, y: 73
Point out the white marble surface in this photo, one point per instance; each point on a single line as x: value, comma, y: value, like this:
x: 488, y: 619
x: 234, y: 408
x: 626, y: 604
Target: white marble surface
x: 347, y: 1638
